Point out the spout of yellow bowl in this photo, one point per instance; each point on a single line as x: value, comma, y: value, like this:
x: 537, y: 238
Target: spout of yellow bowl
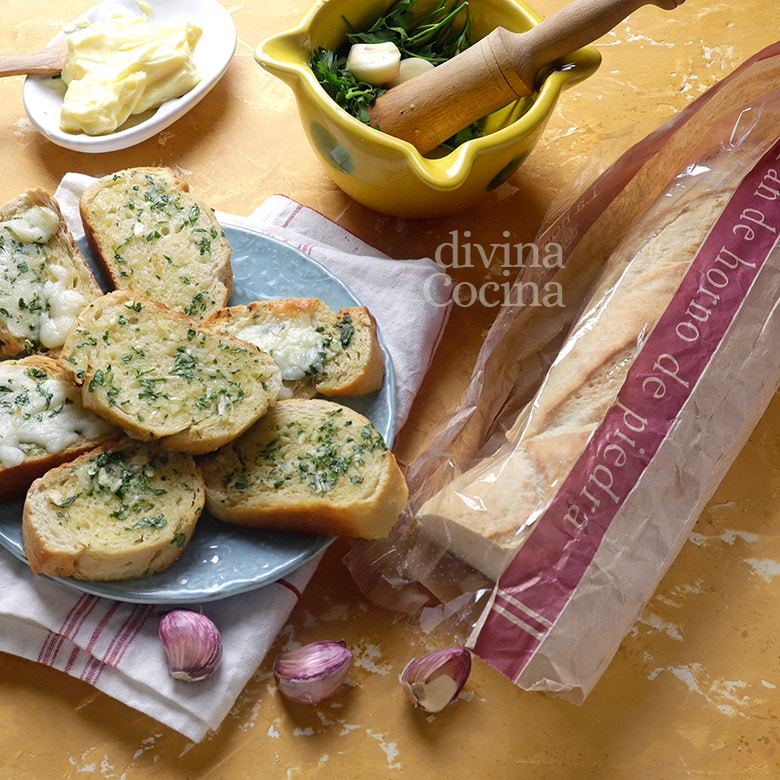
x: 281, y: 56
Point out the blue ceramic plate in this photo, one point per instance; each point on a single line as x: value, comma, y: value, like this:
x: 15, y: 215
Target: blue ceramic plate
x: 222, y: 560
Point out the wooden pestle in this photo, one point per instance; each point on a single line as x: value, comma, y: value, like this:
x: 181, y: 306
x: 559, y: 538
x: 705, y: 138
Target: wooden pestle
x: 493, y: 72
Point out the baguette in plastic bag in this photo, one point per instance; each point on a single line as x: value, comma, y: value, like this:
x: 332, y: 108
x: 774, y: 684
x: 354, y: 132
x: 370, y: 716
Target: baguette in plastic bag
x: 548, y: 507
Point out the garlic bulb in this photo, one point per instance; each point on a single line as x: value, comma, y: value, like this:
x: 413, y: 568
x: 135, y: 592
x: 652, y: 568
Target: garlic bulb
x: 436, y: 679
x: 313, y: 672
x: 192, y: 644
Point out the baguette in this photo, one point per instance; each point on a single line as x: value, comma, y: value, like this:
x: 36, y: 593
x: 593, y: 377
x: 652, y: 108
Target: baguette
x: 153, y: 237
x: 42, y: 422
x: 160, y: 375
x: 46, y: 279
x: 310, y: 466
x: 118, y: 512
x: 317, y: 350
x: 487, y: 513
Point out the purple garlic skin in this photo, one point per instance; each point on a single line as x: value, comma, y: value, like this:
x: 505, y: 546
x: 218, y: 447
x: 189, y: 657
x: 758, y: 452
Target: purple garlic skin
x: 314, y: 672
x: 435, y: 680
x: 192, y: 644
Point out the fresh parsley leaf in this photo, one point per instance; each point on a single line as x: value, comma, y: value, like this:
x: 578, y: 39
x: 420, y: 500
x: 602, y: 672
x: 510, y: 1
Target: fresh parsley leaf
x: 341, y: 85
x: 437, y: 36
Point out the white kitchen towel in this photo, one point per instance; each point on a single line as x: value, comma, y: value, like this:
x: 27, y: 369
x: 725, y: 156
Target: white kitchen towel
x: 114, y: 645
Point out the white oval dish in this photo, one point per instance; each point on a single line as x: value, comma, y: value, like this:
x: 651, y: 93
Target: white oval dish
x: 43, y: 95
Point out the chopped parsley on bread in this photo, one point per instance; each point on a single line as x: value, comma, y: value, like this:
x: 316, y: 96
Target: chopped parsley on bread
x: 42, y: 422
x: 113, y: 406
x: 317, y: 350
x: 160, y: 375
x: 45, y: 278
x: 152, y: 236
x: 118, y: 512
x: 311, y: 466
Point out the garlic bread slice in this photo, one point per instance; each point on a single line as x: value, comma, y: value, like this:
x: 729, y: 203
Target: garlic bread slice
x: 317, y: 350
x: 310, y: 466
x: 151, y: 235
x: 42, y: 422
x: 46, y: 280
x: 160, y: 375
x: 121, y: 511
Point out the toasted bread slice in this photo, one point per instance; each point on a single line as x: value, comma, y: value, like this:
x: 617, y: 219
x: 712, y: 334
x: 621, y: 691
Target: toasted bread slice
x: 160, y: 375
x: 42, y: 422
x: 118, y: 512
x: 46, y: 279
x: 311, y: 466
x: 317, y: 350
x: 152, y: 236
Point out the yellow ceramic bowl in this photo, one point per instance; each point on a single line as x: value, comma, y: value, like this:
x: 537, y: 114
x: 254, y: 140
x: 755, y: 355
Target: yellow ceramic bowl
x: 390, y: 175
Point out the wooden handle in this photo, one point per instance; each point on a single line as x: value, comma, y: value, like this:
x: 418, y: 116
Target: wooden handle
x: 44, y: 62
x: 574, y: 26
x: 496, y: 70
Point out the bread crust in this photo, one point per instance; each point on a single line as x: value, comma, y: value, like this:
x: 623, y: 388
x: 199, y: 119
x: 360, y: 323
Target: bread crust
x: 152, y: 236
x: 57, y: 262
x: 309, y: 466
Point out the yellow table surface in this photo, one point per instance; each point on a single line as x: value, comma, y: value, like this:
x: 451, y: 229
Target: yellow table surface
x: 693, y: 689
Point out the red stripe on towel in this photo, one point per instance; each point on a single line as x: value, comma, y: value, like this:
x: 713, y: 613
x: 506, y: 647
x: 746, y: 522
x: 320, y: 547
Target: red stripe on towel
x: 118, y: 645
x: 97, y: 631
x: 68, y: 629
x: 290, y: 587
x: 298, y: 208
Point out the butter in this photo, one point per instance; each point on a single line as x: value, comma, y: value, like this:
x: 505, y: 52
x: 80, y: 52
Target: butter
x: 35, y: 226
x: 123, y: 67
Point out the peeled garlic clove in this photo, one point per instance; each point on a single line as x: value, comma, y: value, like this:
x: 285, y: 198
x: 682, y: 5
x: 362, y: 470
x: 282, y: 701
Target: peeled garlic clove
x: 313, y: 672
x: 192, y: 644
x: 374, y: 63
x: 436, y: 679
x: 409, y: 68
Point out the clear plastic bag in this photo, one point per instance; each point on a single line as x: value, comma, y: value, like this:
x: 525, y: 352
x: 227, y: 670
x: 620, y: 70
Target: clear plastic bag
x: 546, y: 508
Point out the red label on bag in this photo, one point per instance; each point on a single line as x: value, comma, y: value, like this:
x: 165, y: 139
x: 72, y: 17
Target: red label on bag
x: 536, y: 586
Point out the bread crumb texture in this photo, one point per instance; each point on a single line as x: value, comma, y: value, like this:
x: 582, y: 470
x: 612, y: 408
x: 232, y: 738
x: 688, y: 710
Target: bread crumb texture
x: 115, y: 513
x: 160, y: 375
x: 152, y: 236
